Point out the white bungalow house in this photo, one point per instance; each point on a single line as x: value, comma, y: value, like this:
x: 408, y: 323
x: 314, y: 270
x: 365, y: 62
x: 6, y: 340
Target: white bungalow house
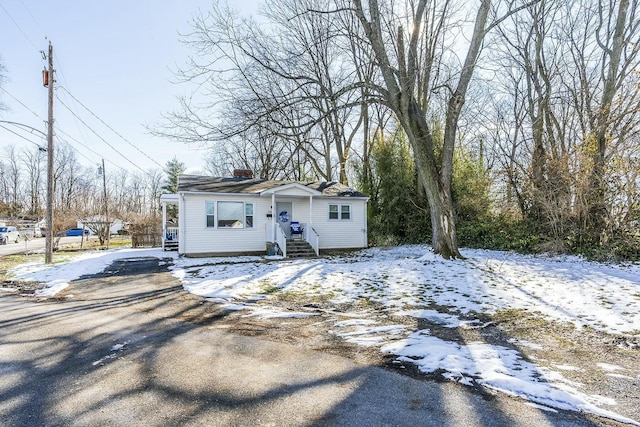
x: 241, y: 215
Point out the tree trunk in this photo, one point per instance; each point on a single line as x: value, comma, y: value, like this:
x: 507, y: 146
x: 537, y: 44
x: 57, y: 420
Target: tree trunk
x: 597, y: 210
x: 443, y: 228
x: 401, y: 98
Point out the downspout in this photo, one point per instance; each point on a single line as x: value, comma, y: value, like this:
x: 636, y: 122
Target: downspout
x: 366, y: 226
x: 273, y: 217
x: 181, y: 227
x: 164, y: 223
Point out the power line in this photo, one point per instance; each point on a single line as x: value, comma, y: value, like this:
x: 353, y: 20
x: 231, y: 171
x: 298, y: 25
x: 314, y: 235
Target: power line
x: 60, y: 70
x: 21, y: 103
x: 34, y: 18
x: 76, y: 150
x: 20, y: 136
x: 38, y: 116
x: 86, y: 125
x: 19, y: 28
x: 113, y: 130
x: 60, y: 131
x: 101, y: 138
x: 68, y: 136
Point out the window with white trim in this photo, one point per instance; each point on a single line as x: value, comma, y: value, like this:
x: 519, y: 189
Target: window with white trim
x: 248, y: 215
x: 345, y: 212
x: 230, y: 215
x: 333, y: 211
x: 210, y: 214
x: 225, y: 214
x: 340, y: 212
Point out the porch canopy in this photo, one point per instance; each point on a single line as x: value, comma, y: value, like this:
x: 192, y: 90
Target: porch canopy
x: 294, y: 190
x: 168, y: 199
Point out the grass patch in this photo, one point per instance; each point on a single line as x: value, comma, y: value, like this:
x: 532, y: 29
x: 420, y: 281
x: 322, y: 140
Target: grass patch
x: 9, y: 262
x: 301, y: 297
x: 520, y: 321
x: 64, y: 253
x: 268, y: 288
x: 93, y: 243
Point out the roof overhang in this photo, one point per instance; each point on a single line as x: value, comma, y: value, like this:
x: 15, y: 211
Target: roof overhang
x: 288, y: 187
x: 169, y: 198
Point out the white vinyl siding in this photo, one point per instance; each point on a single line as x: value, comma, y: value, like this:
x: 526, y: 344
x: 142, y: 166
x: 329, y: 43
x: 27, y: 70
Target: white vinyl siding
x: 198, y: 238
x: 337, y: 233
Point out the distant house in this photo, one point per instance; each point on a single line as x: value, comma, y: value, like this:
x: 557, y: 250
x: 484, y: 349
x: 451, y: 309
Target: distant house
x: 242, y: 215
x: 115, y: 224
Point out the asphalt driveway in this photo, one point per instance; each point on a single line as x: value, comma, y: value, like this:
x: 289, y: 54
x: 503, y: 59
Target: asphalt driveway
x: 130, y: 347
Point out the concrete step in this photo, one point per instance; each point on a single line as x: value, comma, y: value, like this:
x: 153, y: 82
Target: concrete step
x: 299, y: 249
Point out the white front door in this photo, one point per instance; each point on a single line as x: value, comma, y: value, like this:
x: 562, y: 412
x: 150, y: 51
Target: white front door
x: 283, y: 216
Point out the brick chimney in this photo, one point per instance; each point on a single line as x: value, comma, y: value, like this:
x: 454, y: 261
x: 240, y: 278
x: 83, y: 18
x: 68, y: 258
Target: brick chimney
x: 243, y: 173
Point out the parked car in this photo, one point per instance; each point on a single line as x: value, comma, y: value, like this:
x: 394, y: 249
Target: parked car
x: 9, y: 234
x: 74, y: 232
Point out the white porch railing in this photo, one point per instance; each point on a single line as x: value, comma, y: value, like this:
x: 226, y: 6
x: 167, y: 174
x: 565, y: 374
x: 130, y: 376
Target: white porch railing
x: 280, y: 239
x: 170, y: 235
x: 311, y: 236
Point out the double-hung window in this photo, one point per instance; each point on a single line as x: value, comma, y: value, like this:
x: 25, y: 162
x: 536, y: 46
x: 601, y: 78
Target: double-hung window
x: 333, y: 211
x: 340, y: 212
x: 248, y: 215
x: 210, y: 213
x: 345, y: 212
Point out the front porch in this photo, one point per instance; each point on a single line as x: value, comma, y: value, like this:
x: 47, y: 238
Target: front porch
x: 307, y: 244
x: 170, y: 229
x: 291, y: 217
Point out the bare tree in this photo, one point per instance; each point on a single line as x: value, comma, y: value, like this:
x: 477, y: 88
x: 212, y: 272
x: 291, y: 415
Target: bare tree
x: 406, y: 51
x: 287, y: 98
x: 618, y: 37
x: 2, y: 81
x: 561, y: 62
x: 12, y: 174
x: 154, y: 181
x: 33, y: 162
x: 67, y: 175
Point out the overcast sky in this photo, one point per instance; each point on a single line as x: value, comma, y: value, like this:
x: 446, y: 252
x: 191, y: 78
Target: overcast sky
x: 116, y: 58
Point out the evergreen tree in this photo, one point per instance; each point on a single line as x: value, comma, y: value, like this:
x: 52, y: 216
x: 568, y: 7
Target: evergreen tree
x: 397, y: 210
x: 173, y: 169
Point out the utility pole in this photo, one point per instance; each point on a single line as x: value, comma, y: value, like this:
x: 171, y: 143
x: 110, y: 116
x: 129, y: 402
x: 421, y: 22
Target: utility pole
x: 48, y: 81
x: 106, y: 209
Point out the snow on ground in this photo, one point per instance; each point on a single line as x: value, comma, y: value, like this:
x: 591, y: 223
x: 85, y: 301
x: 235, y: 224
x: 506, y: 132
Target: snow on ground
x: 411, y: 281
x: 407, y: 280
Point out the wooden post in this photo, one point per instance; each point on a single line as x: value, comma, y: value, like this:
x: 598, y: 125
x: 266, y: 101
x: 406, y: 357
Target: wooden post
x: 106, y: 207
x: 48, y: 253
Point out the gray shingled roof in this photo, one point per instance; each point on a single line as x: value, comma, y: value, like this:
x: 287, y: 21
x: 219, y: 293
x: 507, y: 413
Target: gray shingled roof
x: 209, y: 184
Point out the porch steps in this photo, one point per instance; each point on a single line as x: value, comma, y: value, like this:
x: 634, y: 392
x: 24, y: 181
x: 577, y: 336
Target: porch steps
x: 299, y: 249
x: 170, y: 246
